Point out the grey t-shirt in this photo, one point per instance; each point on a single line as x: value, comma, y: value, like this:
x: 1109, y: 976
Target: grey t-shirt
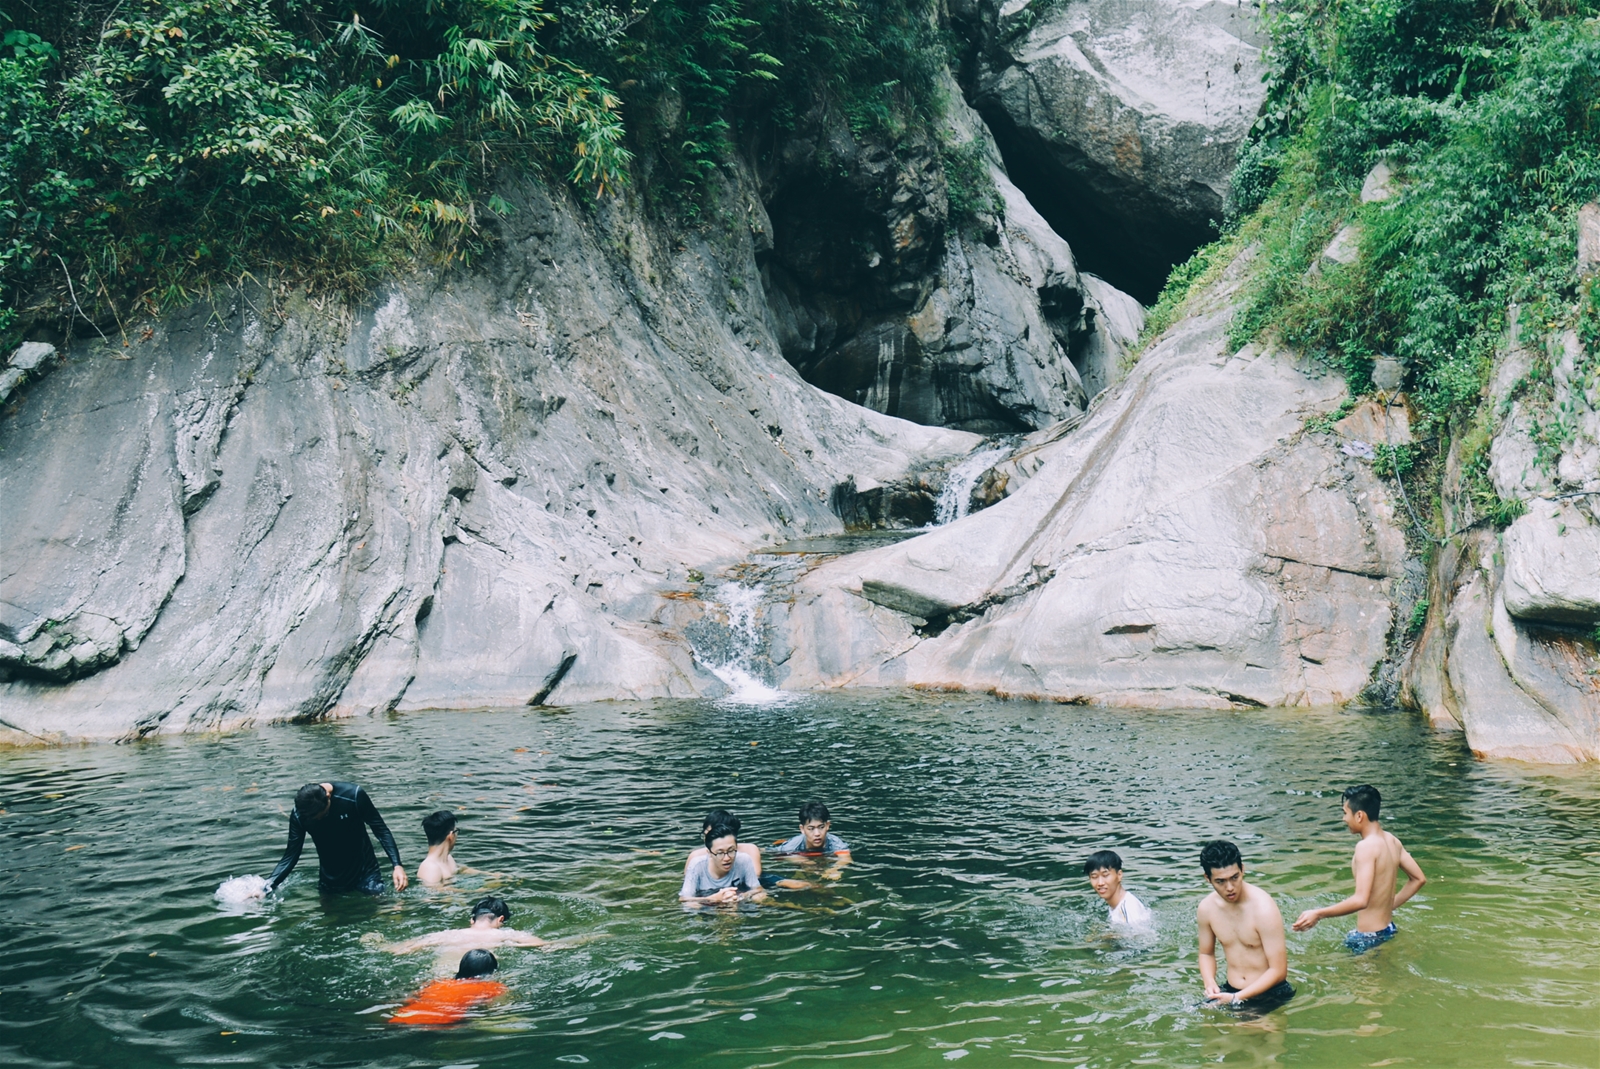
x: 831, y: 845
x: 698, y: 881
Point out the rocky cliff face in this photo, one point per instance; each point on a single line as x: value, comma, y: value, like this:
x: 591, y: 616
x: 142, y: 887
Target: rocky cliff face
x: 877, y: 295
x: 1120, y: 118
x: 570, y: 472
x: 1190, y: 544
x: 1509, y: 651
x: 471, y: 492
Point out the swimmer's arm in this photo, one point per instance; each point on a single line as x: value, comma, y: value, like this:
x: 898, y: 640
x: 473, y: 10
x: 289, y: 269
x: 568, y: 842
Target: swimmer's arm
x: 1208, y: 956
x: 1366, y: 866
x: 291, y: 852
x: 840, y: 860
x: 1414, y: 878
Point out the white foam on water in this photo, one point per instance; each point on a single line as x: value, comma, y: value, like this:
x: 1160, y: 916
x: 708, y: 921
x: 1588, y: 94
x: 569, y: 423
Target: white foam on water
x: 955, y: 498
x: 242, y: 890
x: 746, y: 689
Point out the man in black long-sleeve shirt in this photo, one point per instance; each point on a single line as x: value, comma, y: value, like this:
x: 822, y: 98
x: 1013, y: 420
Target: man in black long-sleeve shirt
x: 337, y: 816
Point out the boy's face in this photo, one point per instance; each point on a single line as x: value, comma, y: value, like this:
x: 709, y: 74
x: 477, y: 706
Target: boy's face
x: 1352, y: 820
x: 723, y: 851
x: 1106, y: 883
x: 816, y: 833
x: 1227, y: 882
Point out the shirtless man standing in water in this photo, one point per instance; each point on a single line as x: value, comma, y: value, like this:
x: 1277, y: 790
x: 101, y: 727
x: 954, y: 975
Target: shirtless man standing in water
x: 1379, y: 857
x: 1246, y: 921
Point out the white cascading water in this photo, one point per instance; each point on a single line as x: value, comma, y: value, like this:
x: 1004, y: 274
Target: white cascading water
x: 745, y: 687
x: 955, y: 499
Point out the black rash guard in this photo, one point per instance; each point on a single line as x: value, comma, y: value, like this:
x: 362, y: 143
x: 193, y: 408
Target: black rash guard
x: 344, y: 853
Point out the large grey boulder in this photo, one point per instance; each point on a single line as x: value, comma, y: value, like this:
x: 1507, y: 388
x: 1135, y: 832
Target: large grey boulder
x: 489, y: 487
x: 1552, y: 563
x: 1130, y: 112
x: 1188, y: 545
x: 1521, y: 691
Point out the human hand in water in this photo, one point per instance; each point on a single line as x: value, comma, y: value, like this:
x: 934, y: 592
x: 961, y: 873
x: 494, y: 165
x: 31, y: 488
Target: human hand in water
x: 1306, y: 921
x: 399, y: 878
x: 1214, y: 993
x: 724, y: 896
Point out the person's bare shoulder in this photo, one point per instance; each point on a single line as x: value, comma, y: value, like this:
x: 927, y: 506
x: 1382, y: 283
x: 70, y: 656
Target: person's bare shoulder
x: 1208, y: 906
x: 1263, y: 909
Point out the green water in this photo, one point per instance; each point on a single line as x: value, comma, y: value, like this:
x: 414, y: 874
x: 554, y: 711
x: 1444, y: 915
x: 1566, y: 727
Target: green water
x: 964, y: 931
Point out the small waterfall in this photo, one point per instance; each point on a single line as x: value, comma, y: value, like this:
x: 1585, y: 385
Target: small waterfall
x: 955, y: 499
x: 734, y: 653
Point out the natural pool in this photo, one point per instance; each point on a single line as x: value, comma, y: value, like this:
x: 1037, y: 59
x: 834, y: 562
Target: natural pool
x: 964, y: 930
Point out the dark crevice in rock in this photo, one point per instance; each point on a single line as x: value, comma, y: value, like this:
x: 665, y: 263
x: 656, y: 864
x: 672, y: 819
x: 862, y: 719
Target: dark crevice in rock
x: 1129, y: 242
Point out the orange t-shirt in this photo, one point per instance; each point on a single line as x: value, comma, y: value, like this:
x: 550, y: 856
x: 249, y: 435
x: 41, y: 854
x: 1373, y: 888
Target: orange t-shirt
x: 447, y: 1001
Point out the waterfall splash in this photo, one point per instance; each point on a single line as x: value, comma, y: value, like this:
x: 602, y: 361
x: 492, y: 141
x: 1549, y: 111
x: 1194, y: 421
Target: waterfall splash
x: 955, y: 499
x: 735, y: 658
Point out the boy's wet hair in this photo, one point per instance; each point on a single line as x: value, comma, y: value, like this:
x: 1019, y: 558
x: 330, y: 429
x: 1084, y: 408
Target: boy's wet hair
x: 310, y: 801
x: 720, y: 831
x: 495, y: 907
x: 1219, y: 854
x: 814, y: 810
x: 1364, y: 799
x: 720, y: 816
x: 438, y: 825
x: 1101, y: 859
x: 476, y: 963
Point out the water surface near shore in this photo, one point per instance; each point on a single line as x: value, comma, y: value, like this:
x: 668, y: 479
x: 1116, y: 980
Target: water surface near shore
x: 964, y: 931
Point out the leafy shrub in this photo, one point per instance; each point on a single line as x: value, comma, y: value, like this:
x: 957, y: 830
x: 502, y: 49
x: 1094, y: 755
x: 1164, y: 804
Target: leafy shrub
x: 1492, y: 112
x: 154, y: 146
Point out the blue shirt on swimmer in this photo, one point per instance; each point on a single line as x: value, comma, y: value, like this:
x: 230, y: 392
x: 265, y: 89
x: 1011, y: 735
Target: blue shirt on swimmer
x: 698, y: 881
x: 831, y: 845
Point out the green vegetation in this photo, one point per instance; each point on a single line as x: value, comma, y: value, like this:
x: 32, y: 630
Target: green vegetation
x: 1490, y: 115
x: 152, y: 148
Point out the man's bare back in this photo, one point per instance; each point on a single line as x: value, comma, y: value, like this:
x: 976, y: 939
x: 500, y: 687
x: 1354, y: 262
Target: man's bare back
x: 1379, y: 858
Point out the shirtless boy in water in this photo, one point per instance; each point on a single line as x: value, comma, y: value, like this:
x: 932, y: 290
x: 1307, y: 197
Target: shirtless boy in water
x: 440, y: 865
x: 487, y: 929
x: 1246, y: 921
x: 1379, y: 858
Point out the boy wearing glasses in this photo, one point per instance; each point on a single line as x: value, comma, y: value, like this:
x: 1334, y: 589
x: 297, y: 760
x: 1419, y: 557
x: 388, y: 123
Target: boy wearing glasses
x: 722, y: 875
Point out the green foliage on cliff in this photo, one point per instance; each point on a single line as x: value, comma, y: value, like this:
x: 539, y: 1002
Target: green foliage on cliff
x: 1490, y: 116
x: 152, y: 147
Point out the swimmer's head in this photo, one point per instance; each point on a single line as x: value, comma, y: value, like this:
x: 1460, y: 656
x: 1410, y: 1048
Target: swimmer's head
x: 1104, y: 869
x: 490, y: 906
x: 438, y: 826
x: 722, y: 842
x: 312, y: 802
x: 1364, y: 799
x: 719, y: 816
x: 1224, y: 868
x: 475, y: 963
x: 814, y: 824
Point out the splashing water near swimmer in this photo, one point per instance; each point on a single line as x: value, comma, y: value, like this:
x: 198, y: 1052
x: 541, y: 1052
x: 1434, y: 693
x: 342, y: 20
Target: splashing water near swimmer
x: 242, y: 890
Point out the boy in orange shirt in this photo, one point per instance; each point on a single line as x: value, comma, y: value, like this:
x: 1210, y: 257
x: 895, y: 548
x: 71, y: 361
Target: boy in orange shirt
x: 446, y: 1002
